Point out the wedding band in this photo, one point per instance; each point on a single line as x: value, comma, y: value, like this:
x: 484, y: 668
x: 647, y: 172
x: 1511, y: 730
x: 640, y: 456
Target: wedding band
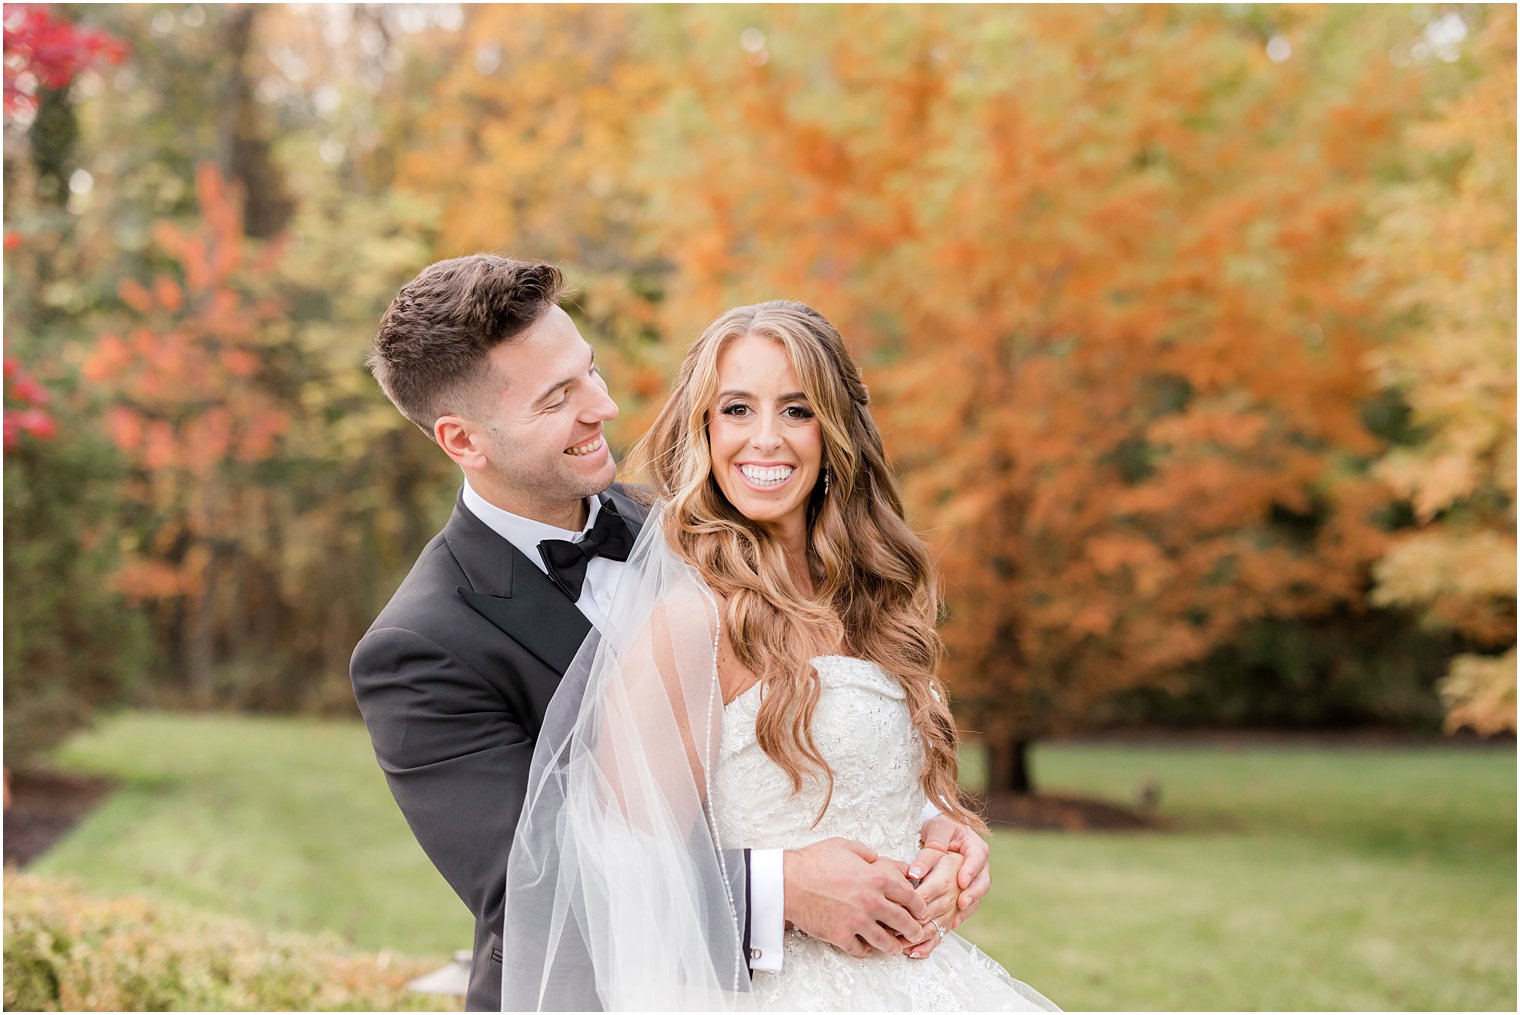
x: 937, y: 926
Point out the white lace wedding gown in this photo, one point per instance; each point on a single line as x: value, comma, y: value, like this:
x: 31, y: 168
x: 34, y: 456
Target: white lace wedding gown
x: 863, y: 729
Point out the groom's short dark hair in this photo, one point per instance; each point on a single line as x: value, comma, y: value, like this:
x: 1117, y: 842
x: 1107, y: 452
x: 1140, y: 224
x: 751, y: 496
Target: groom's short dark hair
x: 430, y: 354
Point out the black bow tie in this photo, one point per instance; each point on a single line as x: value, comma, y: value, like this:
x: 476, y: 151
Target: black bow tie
x: 567, y: 561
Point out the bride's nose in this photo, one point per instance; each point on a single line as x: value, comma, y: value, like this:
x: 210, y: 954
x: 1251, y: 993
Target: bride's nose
x: 767, y: 438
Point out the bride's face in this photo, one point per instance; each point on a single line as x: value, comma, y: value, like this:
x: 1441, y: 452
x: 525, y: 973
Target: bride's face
x: 767, y: 443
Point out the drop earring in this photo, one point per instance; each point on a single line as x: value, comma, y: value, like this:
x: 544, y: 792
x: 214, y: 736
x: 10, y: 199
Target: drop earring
x: 825, y: 480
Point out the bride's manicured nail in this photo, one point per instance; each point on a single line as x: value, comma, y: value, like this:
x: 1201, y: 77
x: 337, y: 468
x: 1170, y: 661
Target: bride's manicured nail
x: 914, y: 872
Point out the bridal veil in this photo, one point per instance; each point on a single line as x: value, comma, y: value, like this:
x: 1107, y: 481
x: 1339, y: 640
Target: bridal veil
x: 621, y: 894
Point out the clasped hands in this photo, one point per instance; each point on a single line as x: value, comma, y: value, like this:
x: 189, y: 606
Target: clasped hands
x: 842, y: 892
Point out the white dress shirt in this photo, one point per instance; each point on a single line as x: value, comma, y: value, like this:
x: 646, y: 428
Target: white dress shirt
x: 767, y: 920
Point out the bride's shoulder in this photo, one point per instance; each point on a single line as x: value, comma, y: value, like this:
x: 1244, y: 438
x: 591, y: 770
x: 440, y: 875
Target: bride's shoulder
x: 695, y: 615
x: 687, y: 612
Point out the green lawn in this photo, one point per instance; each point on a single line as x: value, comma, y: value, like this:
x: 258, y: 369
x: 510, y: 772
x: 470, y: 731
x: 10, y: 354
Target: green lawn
x: 286, y: 822
x: 1295, y: 878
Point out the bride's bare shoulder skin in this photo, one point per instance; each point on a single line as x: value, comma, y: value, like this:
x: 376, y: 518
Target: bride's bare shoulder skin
x: 734, y: 678
x: 688, y: 614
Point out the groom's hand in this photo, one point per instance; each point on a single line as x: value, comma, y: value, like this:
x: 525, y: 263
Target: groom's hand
x: 944, y: 833
x: 835, y: 891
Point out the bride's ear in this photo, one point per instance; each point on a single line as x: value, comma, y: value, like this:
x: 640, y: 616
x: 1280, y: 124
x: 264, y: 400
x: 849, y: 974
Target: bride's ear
x: 461, y: 441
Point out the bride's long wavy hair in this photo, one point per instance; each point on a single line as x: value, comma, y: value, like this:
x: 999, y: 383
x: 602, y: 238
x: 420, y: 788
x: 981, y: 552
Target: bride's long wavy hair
x: 876, y: 589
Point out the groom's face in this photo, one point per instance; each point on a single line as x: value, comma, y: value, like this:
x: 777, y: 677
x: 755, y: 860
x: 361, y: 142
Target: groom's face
x: 542, y: 431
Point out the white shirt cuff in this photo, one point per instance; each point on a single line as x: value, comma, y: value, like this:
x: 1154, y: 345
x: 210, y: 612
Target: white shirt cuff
x: 929, y: 813
x: 767, y: 910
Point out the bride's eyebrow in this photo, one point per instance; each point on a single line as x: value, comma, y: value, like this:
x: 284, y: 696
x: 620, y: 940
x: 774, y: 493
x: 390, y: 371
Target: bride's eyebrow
x: 790, y: 396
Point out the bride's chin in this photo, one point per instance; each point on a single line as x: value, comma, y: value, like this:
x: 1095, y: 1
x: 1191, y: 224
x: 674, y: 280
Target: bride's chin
x: 757, y: 513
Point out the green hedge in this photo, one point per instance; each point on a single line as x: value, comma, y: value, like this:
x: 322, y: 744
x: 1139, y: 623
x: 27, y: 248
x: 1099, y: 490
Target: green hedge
x: 69, y: 951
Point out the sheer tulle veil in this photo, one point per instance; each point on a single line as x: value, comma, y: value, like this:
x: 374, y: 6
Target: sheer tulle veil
x: 621, y: 894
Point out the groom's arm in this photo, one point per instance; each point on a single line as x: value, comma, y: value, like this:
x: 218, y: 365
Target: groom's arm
x: 840, y: 891
x: 766, y: 910
x: 833, y: 890
x: 455, y: 757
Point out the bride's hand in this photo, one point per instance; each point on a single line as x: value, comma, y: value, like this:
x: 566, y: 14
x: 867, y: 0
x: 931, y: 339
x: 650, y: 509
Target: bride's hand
x: 945, y: 833
x: 939, y: 889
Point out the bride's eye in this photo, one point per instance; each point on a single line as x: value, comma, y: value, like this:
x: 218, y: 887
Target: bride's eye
x: 735, y: 409
x: 798, y: 412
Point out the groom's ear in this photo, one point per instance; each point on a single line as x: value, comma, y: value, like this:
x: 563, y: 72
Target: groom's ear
x: 460, y: 441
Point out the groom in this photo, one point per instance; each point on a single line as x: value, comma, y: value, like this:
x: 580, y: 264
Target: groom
x: 455, y: 675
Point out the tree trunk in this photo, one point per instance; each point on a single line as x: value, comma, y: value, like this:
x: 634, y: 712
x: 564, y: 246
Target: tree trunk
x: 243, y: 153
x: 52, y: 139
x: 1008, y: 769
x: 200, y: 634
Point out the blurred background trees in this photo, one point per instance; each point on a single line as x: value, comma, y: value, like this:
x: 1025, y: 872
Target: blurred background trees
x: 1447, y: 241
x: 1191, y: 329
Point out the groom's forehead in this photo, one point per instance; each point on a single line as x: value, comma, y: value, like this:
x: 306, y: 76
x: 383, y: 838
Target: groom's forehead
x: 543, y: 360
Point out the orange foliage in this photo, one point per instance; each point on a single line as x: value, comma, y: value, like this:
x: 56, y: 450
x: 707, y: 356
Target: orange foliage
x: 1116, y: 341
x: 531, y: 133
x: 190, y: 401
x: 1448, y: 245
x: 1099, y: 265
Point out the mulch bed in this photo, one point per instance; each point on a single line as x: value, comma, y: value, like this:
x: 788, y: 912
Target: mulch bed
x: 1068, y: 814
x: 43, y: 806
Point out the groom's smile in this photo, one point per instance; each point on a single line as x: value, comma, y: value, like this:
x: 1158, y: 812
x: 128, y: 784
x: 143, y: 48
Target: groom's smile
x: 589, y: 447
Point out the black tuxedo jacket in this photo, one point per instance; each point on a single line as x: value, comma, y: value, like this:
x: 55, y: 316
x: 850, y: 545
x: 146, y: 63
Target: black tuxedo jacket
x: 453, y: 680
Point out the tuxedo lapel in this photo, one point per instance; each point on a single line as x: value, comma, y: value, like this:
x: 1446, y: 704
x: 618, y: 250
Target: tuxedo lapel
x: 537, y: 623
x: 511, y: 591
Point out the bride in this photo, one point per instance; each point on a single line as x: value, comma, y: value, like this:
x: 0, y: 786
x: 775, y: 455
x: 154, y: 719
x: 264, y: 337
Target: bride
x: 770, y: 677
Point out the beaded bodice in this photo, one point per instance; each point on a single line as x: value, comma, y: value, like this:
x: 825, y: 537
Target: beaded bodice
x: 862, y: 728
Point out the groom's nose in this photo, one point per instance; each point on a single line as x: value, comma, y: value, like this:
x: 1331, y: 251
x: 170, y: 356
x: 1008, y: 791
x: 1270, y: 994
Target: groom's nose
x: 599, y: 407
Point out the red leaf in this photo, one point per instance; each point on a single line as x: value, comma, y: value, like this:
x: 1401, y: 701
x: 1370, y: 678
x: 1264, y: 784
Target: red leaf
x: 135, y: 295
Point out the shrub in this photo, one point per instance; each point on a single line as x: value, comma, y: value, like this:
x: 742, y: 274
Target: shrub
x: 66, y: 950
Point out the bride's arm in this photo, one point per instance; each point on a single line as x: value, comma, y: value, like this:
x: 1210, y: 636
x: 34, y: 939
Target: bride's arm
x: 657, y: 737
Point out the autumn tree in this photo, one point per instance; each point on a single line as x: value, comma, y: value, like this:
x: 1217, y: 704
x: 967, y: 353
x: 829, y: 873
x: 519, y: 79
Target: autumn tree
x: 69, y: 645
x: 1106, y: 271
x: 1106, y: 295
x: 256, y: 569
x: 1100, y: 265
x: 1447, y: 244
x: 530, y: 138
x: 193, y: 407
x: 362, y: 490
x: 44, y: 52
